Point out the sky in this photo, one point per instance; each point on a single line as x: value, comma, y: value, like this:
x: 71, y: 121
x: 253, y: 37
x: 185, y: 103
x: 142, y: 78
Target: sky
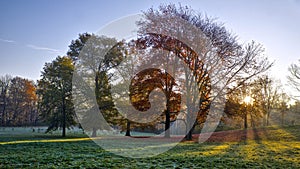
x: 34, y: 32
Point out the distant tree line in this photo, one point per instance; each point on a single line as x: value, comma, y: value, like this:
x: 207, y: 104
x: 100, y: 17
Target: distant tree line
x: 18, y: 102
x: 266, y: 99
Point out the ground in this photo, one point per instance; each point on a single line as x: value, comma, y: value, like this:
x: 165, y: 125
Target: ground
x: 271, y: 147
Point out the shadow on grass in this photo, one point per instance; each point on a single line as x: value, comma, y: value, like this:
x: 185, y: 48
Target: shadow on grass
x: 272, y: 147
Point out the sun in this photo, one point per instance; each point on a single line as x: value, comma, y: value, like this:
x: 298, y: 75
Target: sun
x: 248, y: 100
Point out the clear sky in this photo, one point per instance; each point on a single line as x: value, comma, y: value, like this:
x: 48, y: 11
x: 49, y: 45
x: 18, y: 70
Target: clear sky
x: 33, y: 32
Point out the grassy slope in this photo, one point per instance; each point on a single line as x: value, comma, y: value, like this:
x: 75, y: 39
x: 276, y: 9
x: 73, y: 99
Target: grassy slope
x: 263, y: 148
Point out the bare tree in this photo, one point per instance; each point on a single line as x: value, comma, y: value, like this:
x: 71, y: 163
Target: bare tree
x: 267, y: 93
x: 294, y: 77
x: 4, y: 84
x: 212, y: 55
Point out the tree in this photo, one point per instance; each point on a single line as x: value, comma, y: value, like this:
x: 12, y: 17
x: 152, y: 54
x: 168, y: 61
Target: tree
x: 54, y: 90
x: 294, y: 77
x: 282, y: 105
x: 207, y: 49
x: 235, y: 107
x: 294, y: 111
x: 267, y: 96
x: 22, y: 102
x: 123, y: 74
x: 94, y: 56
x: 148, y: 80
x: 18, y: 101
x: 4, y: 84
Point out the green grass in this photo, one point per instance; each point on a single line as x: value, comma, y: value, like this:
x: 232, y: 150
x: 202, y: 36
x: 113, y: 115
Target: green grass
x: 276, y: 148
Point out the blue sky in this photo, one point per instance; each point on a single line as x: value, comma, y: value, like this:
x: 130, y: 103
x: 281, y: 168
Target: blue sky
x: 33, y: 32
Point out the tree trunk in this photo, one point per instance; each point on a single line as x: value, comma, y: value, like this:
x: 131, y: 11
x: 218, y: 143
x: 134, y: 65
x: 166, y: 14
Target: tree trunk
x: 94, y: 133
x: 268, y: 116
x: 128, y: 128
x: 4, y: 112
x: 189, y: 135
x: 282, y: 118
x: 4, y: 115
x: 264, y: 119
x: 167, y: 125
x: 64, y: 121
x: 245, y: 120
x: 252, y: 120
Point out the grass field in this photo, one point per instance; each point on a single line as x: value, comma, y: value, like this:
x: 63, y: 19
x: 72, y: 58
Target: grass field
x: 272, y: 147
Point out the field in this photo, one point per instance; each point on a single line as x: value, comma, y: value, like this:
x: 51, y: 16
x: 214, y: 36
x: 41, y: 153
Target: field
x: 271, y: 147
